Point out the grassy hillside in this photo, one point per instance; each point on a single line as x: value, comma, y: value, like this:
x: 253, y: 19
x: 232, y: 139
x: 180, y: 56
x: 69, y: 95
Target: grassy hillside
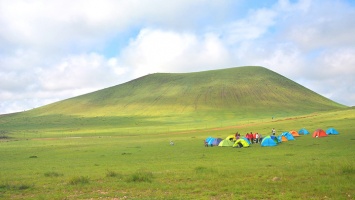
x: 172, y: 102
x: 241, y: 90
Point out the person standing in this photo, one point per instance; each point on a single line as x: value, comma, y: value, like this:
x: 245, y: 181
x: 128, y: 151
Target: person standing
x: 251, y: 138
x: 273, y: 131
x: 256, y: 137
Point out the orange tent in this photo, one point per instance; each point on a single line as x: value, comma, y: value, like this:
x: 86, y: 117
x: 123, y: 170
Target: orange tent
x: 319, y: 133
x: 283, y: 139
x: 294, y: 133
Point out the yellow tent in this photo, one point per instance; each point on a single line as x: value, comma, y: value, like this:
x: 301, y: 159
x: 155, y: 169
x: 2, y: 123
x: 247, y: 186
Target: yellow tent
x: 241, y: 141
x: 231, y: 137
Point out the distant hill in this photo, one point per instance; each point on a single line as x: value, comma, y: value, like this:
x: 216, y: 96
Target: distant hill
x: 231, y: 92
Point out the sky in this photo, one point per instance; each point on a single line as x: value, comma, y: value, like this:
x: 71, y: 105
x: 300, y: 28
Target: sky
x: 54, y: 50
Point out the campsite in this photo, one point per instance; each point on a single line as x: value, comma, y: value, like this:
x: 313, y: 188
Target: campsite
x: 89, y: 148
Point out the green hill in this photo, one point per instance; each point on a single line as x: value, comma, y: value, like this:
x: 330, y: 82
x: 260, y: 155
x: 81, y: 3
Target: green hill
x: 175, y: 102
x: 241, y: 91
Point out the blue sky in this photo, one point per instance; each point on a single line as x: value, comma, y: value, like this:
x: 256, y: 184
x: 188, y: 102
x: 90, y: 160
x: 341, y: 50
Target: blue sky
x: 53, y: 50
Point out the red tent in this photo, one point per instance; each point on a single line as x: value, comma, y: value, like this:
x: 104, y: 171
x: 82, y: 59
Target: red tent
x: 319, y: 133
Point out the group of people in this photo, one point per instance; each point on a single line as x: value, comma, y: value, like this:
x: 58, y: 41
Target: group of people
x: 252, y: 137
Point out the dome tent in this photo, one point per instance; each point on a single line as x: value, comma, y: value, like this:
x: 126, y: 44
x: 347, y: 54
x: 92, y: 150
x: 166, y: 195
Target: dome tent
x: 209, y: 141
x: 294, y: 133
x: 282, y: 138
x: 216, y: 141
x: 319, y: 133
x: 241, y: 141
x: 244, y: 138
x: 332, y: 131
x: 288, y: 136
x: 303, y: 131
x: 231, y: 137
x: 268, y: 142
x: 226, y: 143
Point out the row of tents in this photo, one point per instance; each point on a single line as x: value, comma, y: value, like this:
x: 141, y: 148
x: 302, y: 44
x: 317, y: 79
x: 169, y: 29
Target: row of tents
x: 319, y: 132
x: 271, y: 140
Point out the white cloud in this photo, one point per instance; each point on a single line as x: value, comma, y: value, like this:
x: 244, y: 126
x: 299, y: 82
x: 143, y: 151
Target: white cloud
x: 337, y: 63
x: 18, y: 71
x: 252, y: 27
x: 320, y: 24
x: 168, y: 51
x: 283, y: 58
x: 62, y: 25
x: 57, y: 25
x: 335, y: 77
x: 80, y: 71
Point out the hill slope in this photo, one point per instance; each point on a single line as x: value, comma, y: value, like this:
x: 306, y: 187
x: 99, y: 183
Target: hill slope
x: 226, y: 92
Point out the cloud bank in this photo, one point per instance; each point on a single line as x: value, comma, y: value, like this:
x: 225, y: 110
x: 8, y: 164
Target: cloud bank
x: 53, y: 51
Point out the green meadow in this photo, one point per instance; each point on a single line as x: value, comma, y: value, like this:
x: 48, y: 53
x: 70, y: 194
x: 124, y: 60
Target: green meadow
x: 115, y: 143
x: 143, y: 165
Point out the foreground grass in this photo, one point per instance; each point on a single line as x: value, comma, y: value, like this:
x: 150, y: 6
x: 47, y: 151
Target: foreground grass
x: 145, y: 166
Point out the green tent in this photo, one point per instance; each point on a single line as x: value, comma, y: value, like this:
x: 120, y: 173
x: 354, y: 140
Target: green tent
x: 241, y: 141
x: 226, y: 143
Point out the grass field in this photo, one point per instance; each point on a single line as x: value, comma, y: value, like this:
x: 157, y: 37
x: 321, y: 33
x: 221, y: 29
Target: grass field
x: 101, y: 161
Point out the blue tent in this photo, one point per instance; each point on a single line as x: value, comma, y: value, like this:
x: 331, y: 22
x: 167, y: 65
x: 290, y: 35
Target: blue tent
x: 216, y: 141
x: 209, y: 140
x: 303, y: 131
x: 275, y: 139
x: 332, y: 131
x: 288, y: 135
x: 268, y: 142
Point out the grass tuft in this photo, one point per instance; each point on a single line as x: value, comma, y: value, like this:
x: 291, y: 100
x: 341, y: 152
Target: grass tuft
x: 52, y: 174
x: 20, y: 186
x: 348, y: 169
x: 110, y: 173
x: 79, y: 180
x: 141, y: 176
x: 23, y: 186
x: 201, y: 169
